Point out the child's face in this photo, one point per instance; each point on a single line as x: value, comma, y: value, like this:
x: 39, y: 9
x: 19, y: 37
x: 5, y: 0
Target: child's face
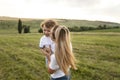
x: 46, y: 31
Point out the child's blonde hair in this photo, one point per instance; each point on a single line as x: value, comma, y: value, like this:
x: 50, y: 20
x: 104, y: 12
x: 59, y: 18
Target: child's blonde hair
x: 48, y: 23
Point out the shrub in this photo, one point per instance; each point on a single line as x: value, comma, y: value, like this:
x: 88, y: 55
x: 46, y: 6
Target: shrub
x: 40, y: 30
x: 26, y: 29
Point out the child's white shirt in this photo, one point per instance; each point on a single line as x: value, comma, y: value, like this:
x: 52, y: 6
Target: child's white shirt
x: 46, y: 41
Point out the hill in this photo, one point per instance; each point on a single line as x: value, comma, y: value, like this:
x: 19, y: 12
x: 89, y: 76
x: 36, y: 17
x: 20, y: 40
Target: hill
x: 68, y: 22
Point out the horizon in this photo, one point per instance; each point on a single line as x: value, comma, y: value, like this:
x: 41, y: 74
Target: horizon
x: 95, y: 10
x: 57, y: 18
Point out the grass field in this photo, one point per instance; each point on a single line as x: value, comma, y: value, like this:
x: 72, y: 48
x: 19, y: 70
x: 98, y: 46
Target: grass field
x: 97, y: 53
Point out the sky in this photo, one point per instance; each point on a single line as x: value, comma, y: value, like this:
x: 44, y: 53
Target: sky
x: 103, y: 10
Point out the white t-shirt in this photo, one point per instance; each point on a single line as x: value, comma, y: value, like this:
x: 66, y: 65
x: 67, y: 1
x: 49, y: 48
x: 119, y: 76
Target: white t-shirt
x: 54, y: 66
x: 46, y: 41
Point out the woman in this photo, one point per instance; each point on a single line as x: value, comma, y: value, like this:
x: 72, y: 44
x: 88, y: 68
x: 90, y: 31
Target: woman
x: 62, y: 60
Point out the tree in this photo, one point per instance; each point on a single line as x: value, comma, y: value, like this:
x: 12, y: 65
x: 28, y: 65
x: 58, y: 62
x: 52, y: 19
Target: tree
x: 19, y: 26
x: 26, y: 29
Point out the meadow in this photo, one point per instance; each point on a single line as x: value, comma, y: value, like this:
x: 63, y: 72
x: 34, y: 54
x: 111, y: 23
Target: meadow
x: 97, y: 53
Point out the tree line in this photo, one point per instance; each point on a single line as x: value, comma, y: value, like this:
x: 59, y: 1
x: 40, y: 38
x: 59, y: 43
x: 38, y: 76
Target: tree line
x: 26, y: 29
x: 87, y: 28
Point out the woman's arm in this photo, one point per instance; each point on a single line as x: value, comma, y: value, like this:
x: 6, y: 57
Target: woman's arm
x: 52, y: 66
x: 49, y: 69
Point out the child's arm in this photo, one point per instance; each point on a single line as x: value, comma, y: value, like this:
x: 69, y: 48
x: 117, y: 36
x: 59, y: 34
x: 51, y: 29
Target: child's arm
x: 46, y: 51
x: 43, y: 52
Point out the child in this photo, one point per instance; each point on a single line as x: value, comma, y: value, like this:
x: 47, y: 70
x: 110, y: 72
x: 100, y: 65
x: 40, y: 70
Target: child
x: 60, y: 62
x: 45, y: 40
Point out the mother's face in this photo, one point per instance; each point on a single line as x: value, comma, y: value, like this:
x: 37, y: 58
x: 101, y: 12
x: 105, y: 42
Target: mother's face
x: 52, y: 35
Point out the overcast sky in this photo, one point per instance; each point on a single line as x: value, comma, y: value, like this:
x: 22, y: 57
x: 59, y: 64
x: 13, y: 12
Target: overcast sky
x: 105, y: 10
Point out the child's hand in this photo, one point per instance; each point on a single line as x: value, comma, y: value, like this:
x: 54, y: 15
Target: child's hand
x: 48, y: 52
x: 48, y: 49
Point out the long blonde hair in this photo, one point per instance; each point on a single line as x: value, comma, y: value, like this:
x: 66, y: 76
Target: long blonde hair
x: 63, y: 50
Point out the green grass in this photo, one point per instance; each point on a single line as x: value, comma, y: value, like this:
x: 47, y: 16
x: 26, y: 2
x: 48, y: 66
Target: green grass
x: 20, y: 58
x: 97, y: 53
